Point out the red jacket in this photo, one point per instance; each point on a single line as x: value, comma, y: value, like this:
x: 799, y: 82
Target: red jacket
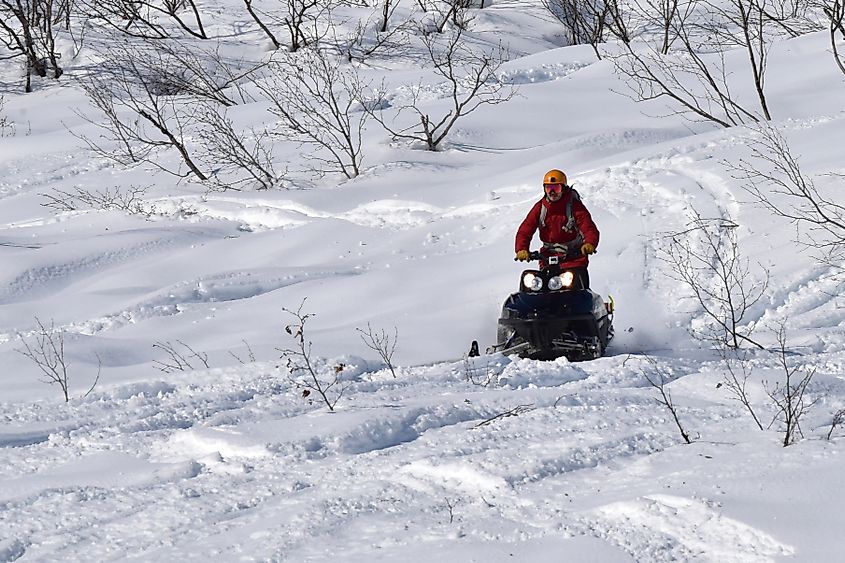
x: 554, y: 228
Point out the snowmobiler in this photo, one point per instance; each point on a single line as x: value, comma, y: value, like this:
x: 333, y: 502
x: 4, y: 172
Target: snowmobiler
x: 555, y: 313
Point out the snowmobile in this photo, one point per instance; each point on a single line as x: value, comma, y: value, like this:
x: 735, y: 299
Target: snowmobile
x: 553, y: 315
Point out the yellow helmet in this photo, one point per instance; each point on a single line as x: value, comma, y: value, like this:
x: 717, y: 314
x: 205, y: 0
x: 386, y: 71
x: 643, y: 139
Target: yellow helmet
x: 554, y: 176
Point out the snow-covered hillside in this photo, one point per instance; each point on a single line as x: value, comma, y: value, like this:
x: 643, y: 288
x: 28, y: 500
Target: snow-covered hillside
x: 487, y: 459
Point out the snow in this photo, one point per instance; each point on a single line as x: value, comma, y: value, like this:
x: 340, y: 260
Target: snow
x: 231, y: 462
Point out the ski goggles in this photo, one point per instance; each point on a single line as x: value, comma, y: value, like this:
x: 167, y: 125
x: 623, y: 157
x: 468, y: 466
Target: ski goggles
x: 553, y: 188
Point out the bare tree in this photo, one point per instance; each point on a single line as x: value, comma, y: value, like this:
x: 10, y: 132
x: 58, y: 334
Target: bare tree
x: 258, y: 17
x: 367, y: 40
x: 618, y: 20
x: 663, y: 17
x: 301, y: 20
x: 141, y: 18
x: 173, y: 7
x: 302, y: 370
x: 159, y: 118
x: 585, y: 20
x: 697, y: 86
x: 456, y: 12
x: 743, y: 24
x: 835, y: 12
x: 27, y: 30
x: 180, y: 69
x: 774, y: 178
x: 471, y: 80
x: 694, y: 76
x: 129, y: 17
x: 388, y: 7
x: 658, y: 377
x: 789, y: 397
x: 46, y: 349
x: 316, y: 100
x: 706, y: 258
x: 382, y: 343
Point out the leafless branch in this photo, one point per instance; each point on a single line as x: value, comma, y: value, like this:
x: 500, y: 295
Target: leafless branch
x: 316, y: 101
x: 838, y: 420
x: 706, y: 258
x: 789, y: 398
x: 108, y: 198
x: 774, y: 178
x: 516, y: 411
x: 47, y: 352
x: 301, y: 367
x: 736, y: 380
x: 471, y: 80
x: 179, y: 358
x: 250, y: 354
x: 658, y: 377
x: 382, y: 343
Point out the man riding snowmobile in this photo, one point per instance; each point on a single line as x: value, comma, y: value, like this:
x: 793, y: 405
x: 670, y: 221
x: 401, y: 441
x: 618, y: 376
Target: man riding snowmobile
x: 566, y: 227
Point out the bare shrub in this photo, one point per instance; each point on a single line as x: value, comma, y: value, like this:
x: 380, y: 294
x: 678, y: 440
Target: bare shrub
x: 774, y: 178
x: 586, y: 21
x: 141, y: 18
x: 478, y: 374
x: 788, y: 397
x: 454, y: 12
x: 158, y: 118
x: 250, y: 354
x: 471, y: 82
x: 837, y: 420
x: 382, y: 343
x: 739, y: 369
x: 27, y: 30
x: 706, y: 258
x: 515, y: 411
x: 46, y: 349
x: 301, y: 367
x: 7, y: 128
x: 179, y: 69
x: 180, y: 357
x: 315, y: 99
x: 658, y: 377
x: 258, y: 17
x: 369, y: 40
x: 693, y: 75
x: 104, y: 199
x: 835, y: 12
x: 240, y: 159
x: 301, y: 19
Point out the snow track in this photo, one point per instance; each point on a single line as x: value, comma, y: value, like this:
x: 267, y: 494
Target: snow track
x: 218, y: 463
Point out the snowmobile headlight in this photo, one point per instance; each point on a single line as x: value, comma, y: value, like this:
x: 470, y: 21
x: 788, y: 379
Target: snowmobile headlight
x: 561, y: 281
x: 532, y: 282
x: 555, y: 283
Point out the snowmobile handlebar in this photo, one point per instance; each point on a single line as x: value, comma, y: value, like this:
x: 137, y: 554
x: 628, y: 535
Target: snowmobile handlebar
x: 533, y: 255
